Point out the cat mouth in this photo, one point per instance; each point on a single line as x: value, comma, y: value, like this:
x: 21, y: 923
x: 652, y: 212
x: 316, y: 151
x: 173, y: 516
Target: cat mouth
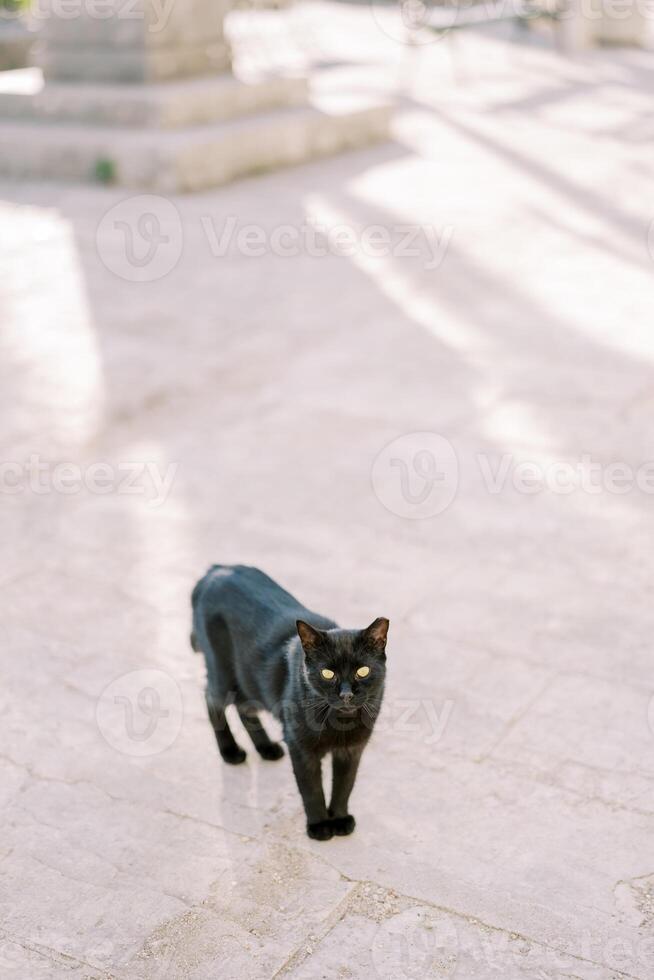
x: 347, y: 709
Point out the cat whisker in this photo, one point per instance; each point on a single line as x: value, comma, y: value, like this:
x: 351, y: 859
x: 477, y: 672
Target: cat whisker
x: 321, y: 718
x: 371, y: 708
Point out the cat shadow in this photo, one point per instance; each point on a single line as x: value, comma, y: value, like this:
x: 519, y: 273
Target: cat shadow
x: 254, y: 793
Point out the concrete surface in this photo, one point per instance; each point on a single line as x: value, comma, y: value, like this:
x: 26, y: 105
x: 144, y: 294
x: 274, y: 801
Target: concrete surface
x: 505, y: 806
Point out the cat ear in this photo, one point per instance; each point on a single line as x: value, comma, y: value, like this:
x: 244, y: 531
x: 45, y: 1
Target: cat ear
x: 310, y: 638
x: 375, y: 634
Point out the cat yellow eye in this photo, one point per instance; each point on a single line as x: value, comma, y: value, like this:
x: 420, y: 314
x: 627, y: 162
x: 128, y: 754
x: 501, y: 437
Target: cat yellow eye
x: 363, y: 672
x: 327, y: 674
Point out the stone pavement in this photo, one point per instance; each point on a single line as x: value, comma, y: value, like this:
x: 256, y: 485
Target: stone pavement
x: 490, y: 306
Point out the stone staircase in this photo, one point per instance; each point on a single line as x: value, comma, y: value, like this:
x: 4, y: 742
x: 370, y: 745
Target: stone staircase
x: 173, y: 136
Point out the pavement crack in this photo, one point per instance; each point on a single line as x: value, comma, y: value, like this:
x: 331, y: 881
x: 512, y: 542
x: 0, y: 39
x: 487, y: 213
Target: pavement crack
x: 207, y: 823
x: 306, y: 948
x: 516, y: 719
x: 40, y: 777
x: 57, y: 957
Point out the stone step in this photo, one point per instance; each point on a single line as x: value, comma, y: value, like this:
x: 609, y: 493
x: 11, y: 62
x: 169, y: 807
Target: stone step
x: 192, y: 158
x: 16, y: 42
x: 187, y: 102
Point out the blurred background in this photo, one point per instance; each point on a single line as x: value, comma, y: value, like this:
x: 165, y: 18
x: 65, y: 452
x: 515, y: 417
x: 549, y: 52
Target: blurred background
x: 361, y: 294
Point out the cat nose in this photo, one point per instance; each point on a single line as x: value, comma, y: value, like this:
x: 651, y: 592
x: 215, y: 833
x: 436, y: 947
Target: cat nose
x: 346, y: 694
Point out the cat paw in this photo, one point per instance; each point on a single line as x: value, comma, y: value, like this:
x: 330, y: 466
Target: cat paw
x: 342, y: 826
x: 271, y: 752
x: 321, y: 830
x: 233, y: 756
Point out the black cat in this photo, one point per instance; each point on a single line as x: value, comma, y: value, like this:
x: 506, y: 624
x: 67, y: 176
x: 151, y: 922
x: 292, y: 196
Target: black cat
x: 325, y: 684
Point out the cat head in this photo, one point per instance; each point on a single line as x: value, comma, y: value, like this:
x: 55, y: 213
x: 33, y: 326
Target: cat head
x: 346, y: 667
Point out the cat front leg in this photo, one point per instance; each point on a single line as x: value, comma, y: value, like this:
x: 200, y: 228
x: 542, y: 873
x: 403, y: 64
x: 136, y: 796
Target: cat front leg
x: 344, y: 771
x: 308, y: 776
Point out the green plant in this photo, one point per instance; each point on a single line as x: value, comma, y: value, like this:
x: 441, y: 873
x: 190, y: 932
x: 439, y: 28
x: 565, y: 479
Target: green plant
x: 14, y: 6
x: 105, y: 170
